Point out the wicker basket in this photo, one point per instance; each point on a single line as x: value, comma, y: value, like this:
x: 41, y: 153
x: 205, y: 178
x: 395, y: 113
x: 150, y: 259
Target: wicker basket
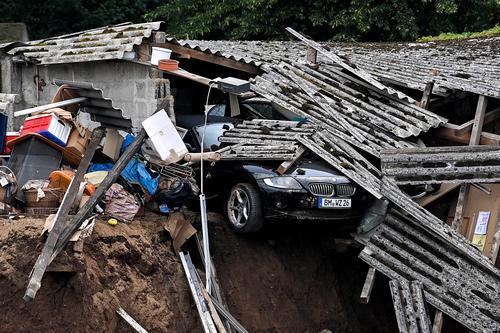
x: 41, y: 211
x: 51, y: 200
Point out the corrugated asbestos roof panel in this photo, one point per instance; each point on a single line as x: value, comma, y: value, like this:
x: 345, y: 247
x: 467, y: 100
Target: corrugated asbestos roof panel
x: 466, y: 65
x: 351, y: 109
x: 100, y: 108
x: 98, y: 44
x: 471, y: 65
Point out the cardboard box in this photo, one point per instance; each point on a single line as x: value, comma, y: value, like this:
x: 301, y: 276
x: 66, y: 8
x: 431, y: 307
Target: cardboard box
x: 78, y: 141
x: 112, y: 144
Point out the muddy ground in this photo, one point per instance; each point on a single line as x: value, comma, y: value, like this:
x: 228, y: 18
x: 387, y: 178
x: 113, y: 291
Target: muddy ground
x: 289, y: 278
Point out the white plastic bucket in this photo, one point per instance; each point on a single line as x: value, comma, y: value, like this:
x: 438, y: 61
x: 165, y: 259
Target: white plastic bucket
x: 159, y: 53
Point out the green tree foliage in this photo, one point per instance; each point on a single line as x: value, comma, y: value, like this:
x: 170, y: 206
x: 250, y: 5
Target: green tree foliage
x: 55, y: 17
x: 361, y: 20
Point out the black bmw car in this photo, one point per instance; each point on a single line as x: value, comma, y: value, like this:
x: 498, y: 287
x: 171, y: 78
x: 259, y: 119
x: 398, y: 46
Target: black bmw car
x: 253, y: 191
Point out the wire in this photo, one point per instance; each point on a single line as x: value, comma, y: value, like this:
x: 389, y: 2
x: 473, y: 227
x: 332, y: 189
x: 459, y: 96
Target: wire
x: 203, y: 135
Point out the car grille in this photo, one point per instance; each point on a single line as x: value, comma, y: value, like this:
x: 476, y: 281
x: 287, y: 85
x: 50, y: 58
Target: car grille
x: 345, y: 190
x: 322, y: 189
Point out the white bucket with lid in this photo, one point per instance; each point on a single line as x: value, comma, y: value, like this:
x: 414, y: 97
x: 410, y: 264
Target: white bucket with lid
x: 159, y: 53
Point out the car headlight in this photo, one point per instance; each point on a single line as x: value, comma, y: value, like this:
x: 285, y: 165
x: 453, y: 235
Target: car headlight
x: 283, y: 182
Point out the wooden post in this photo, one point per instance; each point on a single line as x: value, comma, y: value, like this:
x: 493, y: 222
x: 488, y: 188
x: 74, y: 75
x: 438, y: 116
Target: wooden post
x: 437, y: 325
x: 475, y: 137
x: 311, y: 55
x: 426, y: 96
x: 368, y: 286
x: 44, y: 260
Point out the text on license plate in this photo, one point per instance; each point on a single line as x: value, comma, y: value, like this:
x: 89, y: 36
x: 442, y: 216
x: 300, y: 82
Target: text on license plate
x: 334, y: 203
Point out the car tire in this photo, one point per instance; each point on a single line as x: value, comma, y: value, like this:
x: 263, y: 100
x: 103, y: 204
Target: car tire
x: 244, y: 201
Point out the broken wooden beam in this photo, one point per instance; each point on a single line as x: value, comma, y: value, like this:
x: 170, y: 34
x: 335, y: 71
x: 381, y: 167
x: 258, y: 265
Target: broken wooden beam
x: 368, y: 286
x: 44, y: 259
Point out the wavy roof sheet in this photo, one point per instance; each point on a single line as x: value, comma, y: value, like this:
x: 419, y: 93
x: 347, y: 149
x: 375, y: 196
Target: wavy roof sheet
x: 350, y: 108
x: 113, y: 42
x: 466, y: 65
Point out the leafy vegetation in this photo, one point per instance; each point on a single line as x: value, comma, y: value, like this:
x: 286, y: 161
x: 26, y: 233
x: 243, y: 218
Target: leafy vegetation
x: 55, y: 17
x: 346, y: 20
x: 495, y: 31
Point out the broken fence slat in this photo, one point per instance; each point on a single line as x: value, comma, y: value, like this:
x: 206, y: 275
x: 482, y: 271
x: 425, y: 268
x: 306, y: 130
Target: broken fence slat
x: 131, y: 321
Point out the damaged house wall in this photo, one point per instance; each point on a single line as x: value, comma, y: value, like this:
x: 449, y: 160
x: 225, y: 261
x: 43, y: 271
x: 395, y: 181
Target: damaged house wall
x: 136, y: 89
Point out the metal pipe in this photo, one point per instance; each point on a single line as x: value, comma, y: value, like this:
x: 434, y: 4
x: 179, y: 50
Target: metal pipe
x: 50, y: 106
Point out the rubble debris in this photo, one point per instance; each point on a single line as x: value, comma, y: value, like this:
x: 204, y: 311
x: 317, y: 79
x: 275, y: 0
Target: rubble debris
x: 453, y: 282
x: 349, y: 67
x: 131, y: 321
x: 431, y: 165
x: 195, y: 286
x: 409, y: 305
x: 180, y: 229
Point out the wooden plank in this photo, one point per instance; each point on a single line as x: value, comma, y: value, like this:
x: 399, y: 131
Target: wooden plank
x: 287, y: 164
x: 190, y: 76
x: 50, y: 106
x: 437, y: 325
x: 443, y: 190
x: 44, y: 260
x: 475, y: 138
x: 217, y: 60
x: 368, y: 286
x: 426, y: 96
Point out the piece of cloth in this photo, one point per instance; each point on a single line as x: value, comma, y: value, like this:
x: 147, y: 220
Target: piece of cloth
x: 100, y: 167
x: 120, y: 204
x: 135, y: 173
x: 126, y: 142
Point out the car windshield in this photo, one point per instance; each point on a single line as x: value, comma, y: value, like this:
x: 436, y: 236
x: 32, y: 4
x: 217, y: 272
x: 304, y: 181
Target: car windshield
x: 212, y: 133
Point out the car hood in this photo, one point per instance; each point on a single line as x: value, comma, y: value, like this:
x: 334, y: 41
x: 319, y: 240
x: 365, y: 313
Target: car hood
x: 305, y: 171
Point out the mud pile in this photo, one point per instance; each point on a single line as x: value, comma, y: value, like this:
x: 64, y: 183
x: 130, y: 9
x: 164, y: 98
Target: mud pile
x: 285, y: 279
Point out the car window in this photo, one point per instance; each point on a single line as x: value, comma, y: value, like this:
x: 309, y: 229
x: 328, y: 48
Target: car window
x: 212, y: 134
x: 218, y: 110
x: 263, y: 110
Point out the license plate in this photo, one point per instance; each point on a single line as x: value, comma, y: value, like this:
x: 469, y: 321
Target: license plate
x: 334, y: 203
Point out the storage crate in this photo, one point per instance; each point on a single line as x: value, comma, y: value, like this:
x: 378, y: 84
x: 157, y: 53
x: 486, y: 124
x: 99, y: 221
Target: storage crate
x: 50, y: 126
x: 41, y: 211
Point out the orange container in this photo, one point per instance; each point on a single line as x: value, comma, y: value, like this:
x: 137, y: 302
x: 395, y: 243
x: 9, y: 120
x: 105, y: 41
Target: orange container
x: 61, y: 179
x: 168, y: 65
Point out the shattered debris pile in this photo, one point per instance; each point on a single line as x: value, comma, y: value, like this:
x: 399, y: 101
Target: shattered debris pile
x: 129, y: 266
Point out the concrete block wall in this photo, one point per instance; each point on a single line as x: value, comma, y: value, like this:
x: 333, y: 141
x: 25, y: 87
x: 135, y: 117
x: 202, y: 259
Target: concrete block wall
x: 136, y: 89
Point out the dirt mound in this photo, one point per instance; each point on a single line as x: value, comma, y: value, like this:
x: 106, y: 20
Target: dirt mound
x: 285, y: 279
x: 130, y: 266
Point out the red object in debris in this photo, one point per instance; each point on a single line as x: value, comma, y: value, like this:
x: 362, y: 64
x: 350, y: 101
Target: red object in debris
x: 50, y: 126
x: 168, y: 65
x: 9, y: 137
